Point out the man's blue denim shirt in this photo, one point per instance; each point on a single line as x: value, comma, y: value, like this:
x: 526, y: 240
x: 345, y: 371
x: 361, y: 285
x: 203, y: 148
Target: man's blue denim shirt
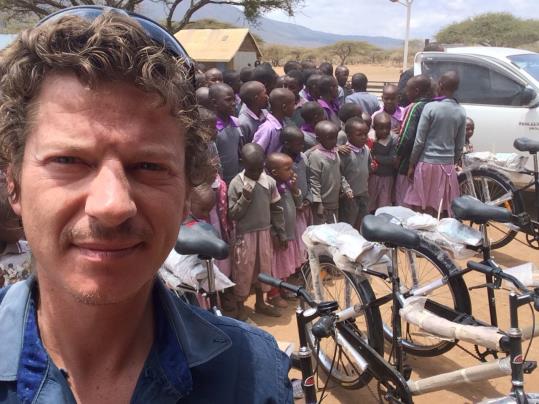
x: 196, y: 357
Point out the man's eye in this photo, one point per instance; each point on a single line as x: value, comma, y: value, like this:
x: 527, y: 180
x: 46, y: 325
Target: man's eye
x: 66, y: 160
x: 150, y: 166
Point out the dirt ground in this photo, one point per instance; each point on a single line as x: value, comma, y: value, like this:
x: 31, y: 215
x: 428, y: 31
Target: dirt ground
x: 284, y: 329
x: 373, y: 72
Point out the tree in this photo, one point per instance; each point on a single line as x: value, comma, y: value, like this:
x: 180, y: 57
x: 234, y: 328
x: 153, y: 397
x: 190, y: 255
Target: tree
x: 346, y: 49
x: 275, y: 54
x: 253, y: 9
x: 494, y: 29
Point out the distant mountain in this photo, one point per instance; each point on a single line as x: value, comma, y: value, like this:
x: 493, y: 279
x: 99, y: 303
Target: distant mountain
x: 269, y: 30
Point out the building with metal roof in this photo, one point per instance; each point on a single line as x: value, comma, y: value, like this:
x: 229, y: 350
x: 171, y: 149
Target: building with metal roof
x: 225, y: 49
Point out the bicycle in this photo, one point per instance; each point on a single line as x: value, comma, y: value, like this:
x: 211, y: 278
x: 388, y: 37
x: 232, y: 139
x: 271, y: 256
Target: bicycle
x: 199, y: 238
x: 493, y: 187
x: 446, y: 323
x: 339, y: 325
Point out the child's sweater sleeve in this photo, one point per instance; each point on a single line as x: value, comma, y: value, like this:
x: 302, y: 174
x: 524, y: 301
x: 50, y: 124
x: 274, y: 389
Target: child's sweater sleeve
x: 421, y: 136
x: 277, y: 215
x: 237, y: 203
x: 308, y: 196
x: 315, y: 175
x: 460, y: 140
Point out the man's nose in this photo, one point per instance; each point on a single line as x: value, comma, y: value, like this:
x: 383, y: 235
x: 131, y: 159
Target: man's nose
x: 110, y: 198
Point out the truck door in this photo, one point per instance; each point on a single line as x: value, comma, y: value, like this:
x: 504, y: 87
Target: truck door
x: 493, y: 95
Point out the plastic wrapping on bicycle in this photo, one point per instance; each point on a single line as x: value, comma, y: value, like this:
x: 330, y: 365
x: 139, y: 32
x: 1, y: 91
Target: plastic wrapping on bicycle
x: 379, y: 229
x: 199, y: 238
x: 469, y: 208
x: 525, y: 144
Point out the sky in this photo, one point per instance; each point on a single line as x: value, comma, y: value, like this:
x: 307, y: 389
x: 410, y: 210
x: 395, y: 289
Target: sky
x: 384, y: 18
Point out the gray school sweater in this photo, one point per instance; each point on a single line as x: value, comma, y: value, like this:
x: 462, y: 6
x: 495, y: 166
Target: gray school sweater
x: 440, y: 134
x: 385, y: 155
x: 301, y: 170
x: 229, y: 142
x: 248, y: 124
x: 257, y: 213
x: 288, y: 204
x: 355, y: 169
x: 325, y: 179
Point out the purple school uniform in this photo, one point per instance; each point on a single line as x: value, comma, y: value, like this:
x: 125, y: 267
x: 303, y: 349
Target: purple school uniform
x: 331, y: 110
x: 396, y: 118
x: 268, y: 135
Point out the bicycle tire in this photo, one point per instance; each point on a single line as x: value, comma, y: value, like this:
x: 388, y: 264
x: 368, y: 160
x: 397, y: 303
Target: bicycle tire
x: 431, y: 263
x: 346, y: 374
x: 498, y: 184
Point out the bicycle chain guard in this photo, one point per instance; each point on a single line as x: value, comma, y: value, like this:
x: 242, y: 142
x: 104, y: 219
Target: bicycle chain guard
x: 483, y: 356
x: 533, y: 238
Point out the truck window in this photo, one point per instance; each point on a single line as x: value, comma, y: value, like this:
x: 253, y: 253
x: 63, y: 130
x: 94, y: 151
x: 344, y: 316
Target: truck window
x: 478, y: 84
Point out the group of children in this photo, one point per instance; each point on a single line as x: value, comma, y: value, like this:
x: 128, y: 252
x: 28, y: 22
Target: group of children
x: 305, y: 149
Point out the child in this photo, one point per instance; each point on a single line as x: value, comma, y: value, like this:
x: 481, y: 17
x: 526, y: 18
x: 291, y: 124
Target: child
x: 470, y: 127
x: 355, y: 169
x: 232, y: 78
x: 346, y: 112
x: 383, y: 166
x: 294, y: 82
x: 252, y: 198
x: 268, y: 135
x: 418, y: 93
x: 209, y: 122
x: 325, y: 174
x: 437, y: 148
x: 285, y: 255
x: 329, y: 98
x: 15, y: 258
x: 265, y: 75
x: 292, y: 139
x: 253, y: 111
x: 312, y: 113
x: 246, y: 74
x: 390, y: 99
x: 311, y: 91
x: 229, y: 136
x: 203, y: 97
x: 214, y: 76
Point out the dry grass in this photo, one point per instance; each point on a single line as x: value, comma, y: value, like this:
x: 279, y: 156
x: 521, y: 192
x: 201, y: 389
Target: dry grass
x: 373, y: 72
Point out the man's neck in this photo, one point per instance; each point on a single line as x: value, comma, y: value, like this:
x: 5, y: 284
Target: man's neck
x: 278, y: 115
x: 223, y: 117
x: 103, y: 344
x: 254, y: 109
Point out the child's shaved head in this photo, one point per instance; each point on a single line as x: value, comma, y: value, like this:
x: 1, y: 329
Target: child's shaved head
x: 276, y: 160
x: 348, y: 111
x: 312, y: 112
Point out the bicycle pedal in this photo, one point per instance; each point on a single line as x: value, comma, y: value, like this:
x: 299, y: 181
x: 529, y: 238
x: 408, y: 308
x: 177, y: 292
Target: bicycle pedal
x: 406, y: 372
x: 529, y: 366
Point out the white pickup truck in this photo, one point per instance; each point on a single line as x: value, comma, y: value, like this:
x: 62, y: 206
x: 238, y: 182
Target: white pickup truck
x: 499, y: 88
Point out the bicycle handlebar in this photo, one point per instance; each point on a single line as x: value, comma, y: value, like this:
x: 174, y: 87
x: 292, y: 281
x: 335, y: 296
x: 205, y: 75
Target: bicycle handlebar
x: 299, y: 291
x: 497, y: 272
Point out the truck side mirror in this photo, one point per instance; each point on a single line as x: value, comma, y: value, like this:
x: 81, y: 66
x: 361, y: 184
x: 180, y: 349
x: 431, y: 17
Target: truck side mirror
x: 528, y: 94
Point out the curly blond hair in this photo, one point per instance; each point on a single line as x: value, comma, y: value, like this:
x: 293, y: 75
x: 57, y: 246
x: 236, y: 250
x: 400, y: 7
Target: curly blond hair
x: 111, y: 47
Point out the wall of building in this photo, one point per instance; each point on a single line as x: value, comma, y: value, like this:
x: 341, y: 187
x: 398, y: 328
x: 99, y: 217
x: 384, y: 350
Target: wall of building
x: 243, y: 59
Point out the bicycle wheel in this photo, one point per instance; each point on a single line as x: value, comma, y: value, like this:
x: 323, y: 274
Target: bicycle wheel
x: 418, y: 268
x: 347, y: 290
x: 491, y: 186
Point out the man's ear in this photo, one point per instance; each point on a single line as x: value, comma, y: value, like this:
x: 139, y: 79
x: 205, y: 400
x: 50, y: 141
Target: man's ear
x: 14, y: 199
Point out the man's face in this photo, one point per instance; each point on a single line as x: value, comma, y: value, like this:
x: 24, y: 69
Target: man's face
x: 214, y: 76
x: 225, y: 102
x: 261, y: 99
x: 102, y: 190
x: 341, y: 74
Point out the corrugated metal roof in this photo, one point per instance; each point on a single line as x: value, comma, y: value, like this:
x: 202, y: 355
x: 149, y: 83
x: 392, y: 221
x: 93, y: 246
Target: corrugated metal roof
x: 212, y: 45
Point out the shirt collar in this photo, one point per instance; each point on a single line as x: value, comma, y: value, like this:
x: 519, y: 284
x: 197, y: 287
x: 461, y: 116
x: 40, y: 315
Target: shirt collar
x: 251, y: 114
x: 355, y: 149
x: 263, y: 180
x: 330, y: 154
x: 331, y: 106
x: 307, y: 127
x: 274, y: 121
x: 185, y: 337
x: 232, y: 121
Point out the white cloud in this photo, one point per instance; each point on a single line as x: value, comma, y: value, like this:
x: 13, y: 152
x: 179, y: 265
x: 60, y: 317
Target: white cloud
x: 382, y: 18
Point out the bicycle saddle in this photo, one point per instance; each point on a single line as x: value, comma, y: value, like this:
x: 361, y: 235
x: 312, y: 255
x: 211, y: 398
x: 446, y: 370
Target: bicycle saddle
x: 468, y: 208
x: 525, y: 144
x: 379, y: 229
x: 199, y: 238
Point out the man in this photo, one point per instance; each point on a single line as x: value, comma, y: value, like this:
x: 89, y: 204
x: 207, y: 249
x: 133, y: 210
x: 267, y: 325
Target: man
x: 341, y: 74
x: 100, y: 137
x: 369, y: 102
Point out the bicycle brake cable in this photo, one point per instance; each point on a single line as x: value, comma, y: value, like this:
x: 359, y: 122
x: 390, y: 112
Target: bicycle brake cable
x: 322, y: 395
